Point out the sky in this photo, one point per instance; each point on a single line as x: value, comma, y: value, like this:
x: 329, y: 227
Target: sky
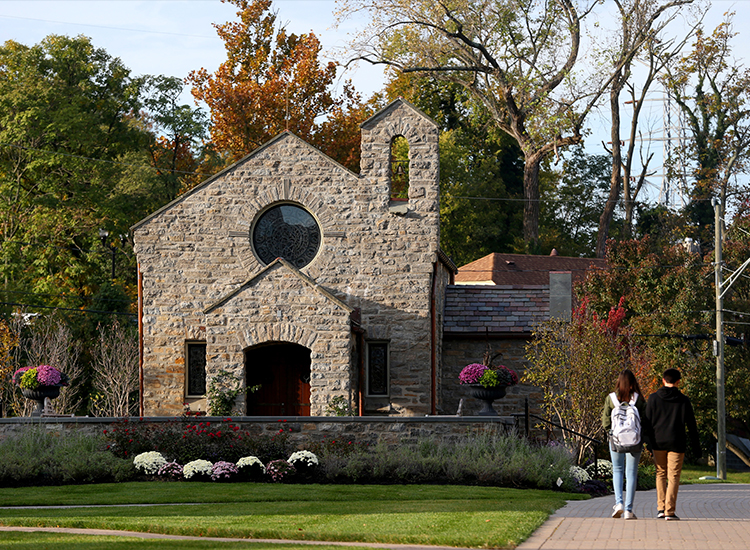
x: 170, y: 37
x: 173, y: 37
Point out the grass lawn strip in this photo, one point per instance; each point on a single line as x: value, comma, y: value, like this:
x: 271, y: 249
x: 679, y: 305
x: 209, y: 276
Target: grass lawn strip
x: 196, y: 492
x: 473, y: 517
x: 62, y: 541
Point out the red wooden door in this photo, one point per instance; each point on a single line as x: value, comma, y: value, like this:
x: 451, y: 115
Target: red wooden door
x: 283, y: 373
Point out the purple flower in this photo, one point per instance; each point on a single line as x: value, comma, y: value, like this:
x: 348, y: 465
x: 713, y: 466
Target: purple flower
x: 223, y: 469
x: 48, y: 376
x: 471, y: 373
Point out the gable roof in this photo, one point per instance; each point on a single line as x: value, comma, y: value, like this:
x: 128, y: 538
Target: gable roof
x: 523, y: 269
x: 391, y: 106
x: 282, y: 263
x: 283, y: 135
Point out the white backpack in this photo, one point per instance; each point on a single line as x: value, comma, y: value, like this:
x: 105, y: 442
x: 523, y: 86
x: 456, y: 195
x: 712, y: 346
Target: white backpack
x: 625, y: 433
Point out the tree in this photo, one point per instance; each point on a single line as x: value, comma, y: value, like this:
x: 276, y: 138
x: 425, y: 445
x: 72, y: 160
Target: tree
x: 273, y: 81
x: 570, y: 209
x: 481, y: 170
x: 669, y: 292
x: 8, y: 343
x: 576, y: 364
x: 115, y: 371
x: 515, y: 57
x: 711, y: 89
x: 66, y: 124
x: 178, y: 131
x: 640, y: 27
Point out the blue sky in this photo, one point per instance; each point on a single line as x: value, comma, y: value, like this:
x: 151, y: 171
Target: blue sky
x: 169, y: 37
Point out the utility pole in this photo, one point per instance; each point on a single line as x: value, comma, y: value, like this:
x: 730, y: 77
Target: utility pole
x: 721, y: 428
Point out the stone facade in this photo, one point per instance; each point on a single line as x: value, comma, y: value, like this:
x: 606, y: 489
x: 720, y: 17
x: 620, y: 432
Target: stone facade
x: 494, y: 320
x: 377, y: 276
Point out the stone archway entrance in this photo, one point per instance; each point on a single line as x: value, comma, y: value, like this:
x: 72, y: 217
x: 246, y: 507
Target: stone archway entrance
x: 283, y: 372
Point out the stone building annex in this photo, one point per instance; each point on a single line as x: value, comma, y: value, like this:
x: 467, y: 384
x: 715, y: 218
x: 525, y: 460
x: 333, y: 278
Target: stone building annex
x: 288, y: 271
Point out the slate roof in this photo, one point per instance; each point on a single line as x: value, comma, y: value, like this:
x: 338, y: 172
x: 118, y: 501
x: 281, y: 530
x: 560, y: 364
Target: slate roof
x: 483, y: 309
x: 506, y: 294
x: 522, y: 269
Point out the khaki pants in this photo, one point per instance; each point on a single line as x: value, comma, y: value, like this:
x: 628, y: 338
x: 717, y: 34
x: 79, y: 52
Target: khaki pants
x: 668, y: 470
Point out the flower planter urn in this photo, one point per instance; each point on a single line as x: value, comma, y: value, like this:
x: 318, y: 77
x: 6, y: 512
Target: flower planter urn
x: 39, y: 395
x: 488, y: 395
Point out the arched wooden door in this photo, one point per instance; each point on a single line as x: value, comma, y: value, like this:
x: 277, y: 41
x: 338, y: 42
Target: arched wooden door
x: 283, y: 373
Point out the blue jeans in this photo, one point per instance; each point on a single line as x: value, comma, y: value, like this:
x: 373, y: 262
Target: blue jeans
x: 627, y: 464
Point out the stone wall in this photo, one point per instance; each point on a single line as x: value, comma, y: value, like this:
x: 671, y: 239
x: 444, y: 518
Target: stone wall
x: 393, y: 431
x: 459, y: 352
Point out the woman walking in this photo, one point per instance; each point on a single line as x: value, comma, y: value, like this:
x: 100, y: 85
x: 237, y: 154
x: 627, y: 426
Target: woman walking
x: 624, y: 411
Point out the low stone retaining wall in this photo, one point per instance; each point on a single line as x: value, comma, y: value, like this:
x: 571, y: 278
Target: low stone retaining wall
x: 301, y: 430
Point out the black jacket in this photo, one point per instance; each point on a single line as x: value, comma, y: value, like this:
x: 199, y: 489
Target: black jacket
x: 670, y: 413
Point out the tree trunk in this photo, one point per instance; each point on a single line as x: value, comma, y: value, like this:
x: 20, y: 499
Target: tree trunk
x: 616, y: 180
x: 531, y: 200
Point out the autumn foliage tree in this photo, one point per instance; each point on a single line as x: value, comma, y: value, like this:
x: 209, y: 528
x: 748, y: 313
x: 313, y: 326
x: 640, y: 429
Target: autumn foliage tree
x: 711, y: 89
x: 576, y: 364
x: 670, y: 296
x: 272, y: 81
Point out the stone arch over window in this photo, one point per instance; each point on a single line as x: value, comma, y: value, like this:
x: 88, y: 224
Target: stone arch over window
x: 399, y: 167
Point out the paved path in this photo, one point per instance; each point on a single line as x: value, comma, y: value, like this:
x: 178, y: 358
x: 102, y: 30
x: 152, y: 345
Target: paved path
x: 715, y: 516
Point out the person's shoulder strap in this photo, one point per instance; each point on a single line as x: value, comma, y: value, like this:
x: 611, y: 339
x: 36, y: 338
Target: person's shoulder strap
x: 615, y: 401
x: 634, y: 398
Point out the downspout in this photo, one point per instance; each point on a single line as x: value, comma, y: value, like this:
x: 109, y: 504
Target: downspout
x: 355, y: 319
x: 140, y: 341
x: 433, y: 341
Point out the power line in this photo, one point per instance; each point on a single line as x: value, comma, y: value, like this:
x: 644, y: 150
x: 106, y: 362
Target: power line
x: 50, y: 295
x: 15, y: 304
x: 81, y: 157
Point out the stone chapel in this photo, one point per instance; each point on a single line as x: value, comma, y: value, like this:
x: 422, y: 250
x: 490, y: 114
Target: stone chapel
x: 296, y: 275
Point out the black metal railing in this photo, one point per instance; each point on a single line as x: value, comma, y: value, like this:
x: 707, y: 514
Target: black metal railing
x: 527, y: 416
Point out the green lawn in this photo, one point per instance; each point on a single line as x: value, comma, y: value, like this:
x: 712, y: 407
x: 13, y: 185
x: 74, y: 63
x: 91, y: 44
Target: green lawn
x: 691, y: 474
x: 487, y: 517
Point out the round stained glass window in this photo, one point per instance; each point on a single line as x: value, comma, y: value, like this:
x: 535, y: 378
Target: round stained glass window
x: 286, y: 231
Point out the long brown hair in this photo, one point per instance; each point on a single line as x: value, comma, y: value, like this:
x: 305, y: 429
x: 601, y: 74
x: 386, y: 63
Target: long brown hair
x: 626, y: 385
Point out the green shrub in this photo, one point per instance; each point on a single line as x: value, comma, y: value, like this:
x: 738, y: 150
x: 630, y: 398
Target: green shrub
x: 37, y: 457
x: 486, y: 458
x: 646, y: 477
x: 183, y: 441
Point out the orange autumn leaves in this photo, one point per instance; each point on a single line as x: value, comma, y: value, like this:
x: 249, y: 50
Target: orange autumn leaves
x: 273, y: 81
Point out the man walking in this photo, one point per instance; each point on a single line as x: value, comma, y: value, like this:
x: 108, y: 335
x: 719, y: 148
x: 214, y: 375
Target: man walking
x: 669, y: 412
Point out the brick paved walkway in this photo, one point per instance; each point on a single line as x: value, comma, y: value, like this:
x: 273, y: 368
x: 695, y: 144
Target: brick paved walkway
x: 713, y: 516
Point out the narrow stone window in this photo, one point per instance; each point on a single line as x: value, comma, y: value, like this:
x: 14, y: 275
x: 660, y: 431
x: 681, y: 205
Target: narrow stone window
x: 195, y: 373
x: 399, y: 168
x: 377, y: 368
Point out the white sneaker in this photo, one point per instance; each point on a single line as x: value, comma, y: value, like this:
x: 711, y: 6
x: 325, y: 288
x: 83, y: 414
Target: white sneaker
x: 618, y: 509
x: 630, y: 515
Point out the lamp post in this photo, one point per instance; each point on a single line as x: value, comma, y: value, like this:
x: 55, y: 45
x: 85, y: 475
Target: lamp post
x: 103, y: 236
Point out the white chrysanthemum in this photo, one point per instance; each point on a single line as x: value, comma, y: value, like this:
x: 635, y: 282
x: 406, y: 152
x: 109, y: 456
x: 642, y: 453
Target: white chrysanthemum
x: 250, y: 461
x: 603, y: 469
x: 150, y: 462
x: 579, y: 474
x: 197, y: 467
x: 303, y: 457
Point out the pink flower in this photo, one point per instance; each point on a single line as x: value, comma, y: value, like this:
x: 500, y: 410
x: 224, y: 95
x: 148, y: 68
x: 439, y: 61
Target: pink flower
x: 471, y: 373
x: 48, y: 376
